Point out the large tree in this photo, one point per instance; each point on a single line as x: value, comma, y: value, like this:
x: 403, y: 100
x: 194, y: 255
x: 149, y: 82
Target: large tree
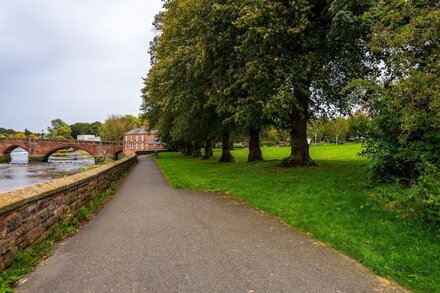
x: 59, y: 130
x: 115, y: 126
x: 326, y: 53
x: 179, y: 95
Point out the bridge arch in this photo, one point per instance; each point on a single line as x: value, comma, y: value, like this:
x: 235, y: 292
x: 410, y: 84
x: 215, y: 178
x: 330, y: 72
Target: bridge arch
x: 10, y: 148
x: 117, y: 154
x: 47, y: 155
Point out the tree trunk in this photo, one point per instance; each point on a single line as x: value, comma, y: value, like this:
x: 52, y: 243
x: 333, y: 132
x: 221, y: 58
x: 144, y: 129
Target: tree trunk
x: 255, y: 154
x: 188, y: 150
x: 226, y: 148
x: 208, y: 150
x: 299, y: 147
x: 197, y: 153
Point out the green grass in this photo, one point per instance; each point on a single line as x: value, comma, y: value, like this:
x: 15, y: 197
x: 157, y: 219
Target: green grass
x: 331, y: 202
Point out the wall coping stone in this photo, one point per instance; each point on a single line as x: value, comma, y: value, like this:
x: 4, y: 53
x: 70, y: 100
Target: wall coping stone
x: 19, y: 197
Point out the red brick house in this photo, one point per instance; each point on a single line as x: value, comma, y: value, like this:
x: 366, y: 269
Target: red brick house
x: 141, y: 140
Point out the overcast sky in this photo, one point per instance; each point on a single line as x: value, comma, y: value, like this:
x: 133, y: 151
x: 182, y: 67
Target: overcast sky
x: 78, y: 60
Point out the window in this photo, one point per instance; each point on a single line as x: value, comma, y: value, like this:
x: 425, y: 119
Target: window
x: 126, y: 138
x: 142, y: 146
x: 143, y: 136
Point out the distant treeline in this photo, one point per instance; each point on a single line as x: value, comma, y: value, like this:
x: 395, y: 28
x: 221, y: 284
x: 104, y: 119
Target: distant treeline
x: 112, y: 129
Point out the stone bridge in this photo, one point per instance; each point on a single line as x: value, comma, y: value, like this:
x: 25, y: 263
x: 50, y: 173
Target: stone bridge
x: 41, y: 149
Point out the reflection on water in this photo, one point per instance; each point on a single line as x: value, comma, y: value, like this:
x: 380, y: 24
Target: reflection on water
x: 19, y: 173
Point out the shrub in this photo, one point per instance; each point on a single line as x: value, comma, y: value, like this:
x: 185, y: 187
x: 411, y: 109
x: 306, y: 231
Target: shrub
x: 405, y: 135
x: 268, y: 143
x: 427, y: 192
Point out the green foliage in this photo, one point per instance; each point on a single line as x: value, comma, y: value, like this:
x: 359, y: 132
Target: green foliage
x: 268, y: 143
x: 7, y: 131
x: 337, y: 128
x: 59, y: 130
x: 115, y: 126
x: 222, y: 67
x: 358, y: 126
x: 406, y: 132
x: 405, y: 135
x: 427, y: 192
x: 27, y: 132
x: 81, y: 128
x: 330, y: 201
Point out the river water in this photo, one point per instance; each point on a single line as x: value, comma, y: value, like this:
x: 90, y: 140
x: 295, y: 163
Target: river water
x: 19, y: 173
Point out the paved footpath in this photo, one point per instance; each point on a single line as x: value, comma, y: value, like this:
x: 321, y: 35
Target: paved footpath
x: 153, y: 238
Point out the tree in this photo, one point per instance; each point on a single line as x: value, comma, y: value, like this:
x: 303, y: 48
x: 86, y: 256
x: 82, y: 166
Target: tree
x: 358, y: 126
x: 63, y: 132
x: 27, y: 132
x: 405, y: 132
x: 115, y: 126
x: 7, y: 131
x: 20, y: 135
x: 177, y: 97
x: 260, y: 27
x: 55, y: 124
x: 317, y: 127
x: 337, y: 128
x: 320, y: 61
x: 59, y: 130
x: 82, y: 128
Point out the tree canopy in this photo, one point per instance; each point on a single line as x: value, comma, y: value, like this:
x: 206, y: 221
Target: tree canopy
x: 220, y: 67
x: 226, y: 68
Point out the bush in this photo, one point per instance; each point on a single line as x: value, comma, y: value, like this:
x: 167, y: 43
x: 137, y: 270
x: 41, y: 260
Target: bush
x: 268, y: 143
x: 427, y: 192
x: 405, y: 135
x: 238, y: 146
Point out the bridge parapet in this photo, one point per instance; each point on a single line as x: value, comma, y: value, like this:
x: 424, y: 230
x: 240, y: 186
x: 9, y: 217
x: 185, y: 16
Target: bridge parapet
x: 60, y: 141
x: 41, y: 149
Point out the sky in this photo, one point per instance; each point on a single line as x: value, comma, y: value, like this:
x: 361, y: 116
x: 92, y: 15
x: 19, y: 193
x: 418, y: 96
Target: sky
x: 77, y: 60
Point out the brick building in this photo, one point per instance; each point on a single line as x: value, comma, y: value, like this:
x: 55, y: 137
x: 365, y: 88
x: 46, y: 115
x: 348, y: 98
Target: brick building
x: 141, y: 140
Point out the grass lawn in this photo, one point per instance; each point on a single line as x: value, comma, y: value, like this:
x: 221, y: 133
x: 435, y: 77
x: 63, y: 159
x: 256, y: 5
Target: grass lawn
x: 330, y: 202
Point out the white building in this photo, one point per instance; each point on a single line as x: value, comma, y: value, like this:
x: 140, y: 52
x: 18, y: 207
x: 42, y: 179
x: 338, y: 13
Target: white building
x: 88, y: 137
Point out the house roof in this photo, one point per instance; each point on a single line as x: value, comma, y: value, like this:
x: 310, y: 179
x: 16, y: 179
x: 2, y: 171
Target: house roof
x: 141, y: 131
x: 137, y: 131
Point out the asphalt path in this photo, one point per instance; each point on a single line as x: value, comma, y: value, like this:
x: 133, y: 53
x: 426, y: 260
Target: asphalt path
x: 153, y: 238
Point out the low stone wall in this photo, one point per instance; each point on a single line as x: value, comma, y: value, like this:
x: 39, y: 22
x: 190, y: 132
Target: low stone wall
x: 28, y: 214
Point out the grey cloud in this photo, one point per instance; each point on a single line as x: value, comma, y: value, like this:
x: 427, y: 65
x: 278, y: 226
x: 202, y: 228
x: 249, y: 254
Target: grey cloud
x: 74, y: 60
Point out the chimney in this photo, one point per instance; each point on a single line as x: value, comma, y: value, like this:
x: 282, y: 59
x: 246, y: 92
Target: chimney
x: 134, y: 126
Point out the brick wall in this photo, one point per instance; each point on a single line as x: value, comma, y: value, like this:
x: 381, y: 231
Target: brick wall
x: 27, y: 214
